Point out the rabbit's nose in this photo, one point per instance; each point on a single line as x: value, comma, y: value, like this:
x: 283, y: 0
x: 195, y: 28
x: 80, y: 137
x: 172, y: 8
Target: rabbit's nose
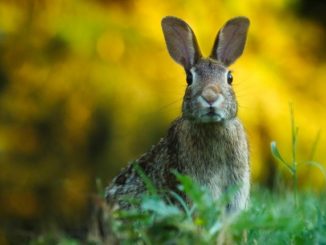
x: 211, y: 94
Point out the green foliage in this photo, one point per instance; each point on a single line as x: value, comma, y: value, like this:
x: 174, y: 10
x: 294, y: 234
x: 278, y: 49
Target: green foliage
x: 270, y: 219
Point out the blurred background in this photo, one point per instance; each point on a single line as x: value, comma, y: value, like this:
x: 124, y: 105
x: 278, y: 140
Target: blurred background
x: 88, y: 85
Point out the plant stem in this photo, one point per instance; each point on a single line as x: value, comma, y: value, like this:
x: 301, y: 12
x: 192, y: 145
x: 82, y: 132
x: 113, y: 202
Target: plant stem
x: 295, y: 186
x: 294, y: 166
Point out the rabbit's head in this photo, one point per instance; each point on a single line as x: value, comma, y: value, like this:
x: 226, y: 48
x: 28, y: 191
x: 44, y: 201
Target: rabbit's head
x: 209, y: 96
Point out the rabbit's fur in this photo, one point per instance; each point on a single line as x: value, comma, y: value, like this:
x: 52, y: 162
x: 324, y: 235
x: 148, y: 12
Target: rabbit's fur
x: 208, y: 141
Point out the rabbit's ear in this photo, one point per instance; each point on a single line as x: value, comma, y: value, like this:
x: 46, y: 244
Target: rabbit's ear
x: 230, y: 40
x: 180, y: 41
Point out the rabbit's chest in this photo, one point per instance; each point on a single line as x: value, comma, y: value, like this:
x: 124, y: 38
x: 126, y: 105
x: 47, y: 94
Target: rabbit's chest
x: 216, y: 166
x: 212, y: 169
x: 216, y: 158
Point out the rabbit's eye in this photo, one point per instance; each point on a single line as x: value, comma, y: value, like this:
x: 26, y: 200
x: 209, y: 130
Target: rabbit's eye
x: 230, y: 78
x: 189, y: 78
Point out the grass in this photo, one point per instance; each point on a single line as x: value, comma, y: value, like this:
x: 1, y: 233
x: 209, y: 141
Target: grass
x: 293, y: 164
x: 271, y: 218
x: 289, y: 216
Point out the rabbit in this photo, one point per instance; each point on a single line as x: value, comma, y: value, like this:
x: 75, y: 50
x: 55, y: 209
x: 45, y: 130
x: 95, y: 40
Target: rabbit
x: 207, y: 142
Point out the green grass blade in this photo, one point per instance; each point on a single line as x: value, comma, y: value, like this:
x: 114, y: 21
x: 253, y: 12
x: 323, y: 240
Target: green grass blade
x: 319, y: 166
x: 148, y: 183
x: 314, y: 146
x: 276, y: 153
x: 182, y: 203
x: 295, y: 131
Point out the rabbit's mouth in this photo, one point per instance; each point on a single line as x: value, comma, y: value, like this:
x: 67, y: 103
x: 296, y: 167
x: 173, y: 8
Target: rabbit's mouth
x: 212, y: 116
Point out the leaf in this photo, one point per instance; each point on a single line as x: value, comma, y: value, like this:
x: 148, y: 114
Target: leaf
x: 147, y: 181
x: 158, y: 206
x: 197, y: 193
x: 319, y: 166
x: 215, y: 228
x: 182, y: 203
x: 278, y: 156
x: 314, y: 146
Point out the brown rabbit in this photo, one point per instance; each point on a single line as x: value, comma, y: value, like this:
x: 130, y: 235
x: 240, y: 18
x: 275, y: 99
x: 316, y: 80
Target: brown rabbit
x: 208, y: 142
